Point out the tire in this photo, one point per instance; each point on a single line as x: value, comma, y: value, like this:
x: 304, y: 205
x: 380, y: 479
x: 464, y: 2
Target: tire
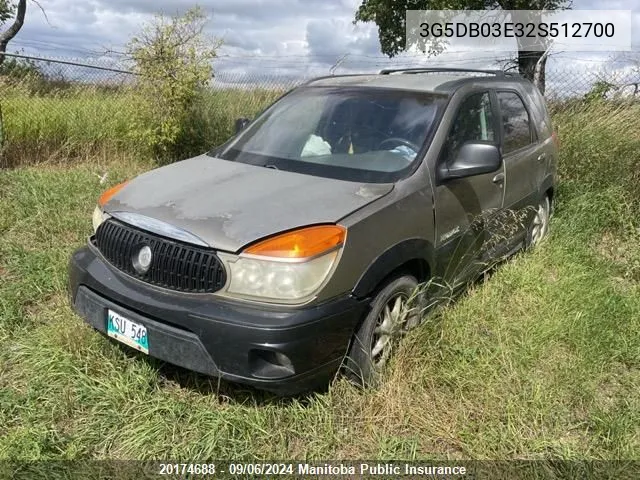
x: 371, y: 346
x: 540, y: 224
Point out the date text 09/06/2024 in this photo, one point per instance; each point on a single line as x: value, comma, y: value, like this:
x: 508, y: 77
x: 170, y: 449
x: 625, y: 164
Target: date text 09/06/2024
x: 308, y: 469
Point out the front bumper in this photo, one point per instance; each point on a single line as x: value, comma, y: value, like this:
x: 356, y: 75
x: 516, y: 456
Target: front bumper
x: 280, y: 349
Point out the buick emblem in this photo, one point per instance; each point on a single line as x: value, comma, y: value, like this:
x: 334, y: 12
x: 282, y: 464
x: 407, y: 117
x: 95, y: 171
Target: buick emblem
x: 142, y: 261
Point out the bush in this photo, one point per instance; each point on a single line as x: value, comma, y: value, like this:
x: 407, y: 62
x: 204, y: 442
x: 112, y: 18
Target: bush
x: 173, y: 60
x: 20, y: 69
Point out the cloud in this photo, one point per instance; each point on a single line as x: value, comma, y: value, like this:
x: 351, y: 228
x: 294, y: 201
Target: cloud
x: 329, y: 40
x: 285, y: 38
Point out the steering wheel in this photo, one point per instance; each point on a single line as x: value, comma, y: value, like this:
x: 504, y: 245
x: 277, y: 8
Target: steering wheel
x: 394, y: 141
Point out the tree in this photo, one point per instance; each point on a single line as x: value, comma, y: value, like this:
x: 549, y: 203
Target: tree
x: 7, y: 11
x: 172, y: 58
x: 390, y: 17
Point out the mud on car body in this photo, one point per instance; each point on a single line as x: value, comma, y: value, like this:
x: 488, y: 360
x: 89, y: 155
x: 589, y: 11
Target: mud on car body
x: 293, y: 249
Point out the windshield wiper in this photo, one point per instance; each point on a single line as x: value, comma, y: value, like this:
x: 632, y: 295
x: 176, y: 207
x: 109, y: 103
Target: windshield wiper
x: 270, y: 165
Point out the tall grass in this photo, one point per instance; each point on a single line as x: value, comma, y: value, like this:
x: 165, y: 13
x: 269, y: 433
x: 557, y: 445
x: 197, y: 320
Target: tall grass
x: 600, y: 172
x: 600, y: 145
x: 541, y: 361
x: 74, y: 123
x: 81, y: 121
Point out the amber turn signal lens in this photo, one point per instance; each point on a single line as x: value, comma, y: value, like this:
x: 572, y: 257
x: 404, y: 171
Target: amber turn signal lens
x: 304, y: 243
x: 107, y: 194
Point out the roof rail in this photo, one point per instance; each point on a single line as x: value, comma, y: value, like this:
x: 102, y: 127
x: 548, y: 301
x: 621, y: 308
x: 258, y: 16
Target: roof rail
x: 341, y: 75
x: 498, y: 73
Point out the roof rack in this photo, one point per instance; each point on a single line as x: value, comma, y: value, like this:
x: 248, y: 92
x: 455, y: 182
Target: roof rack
x: 498, y: 73
x: 341, y: 75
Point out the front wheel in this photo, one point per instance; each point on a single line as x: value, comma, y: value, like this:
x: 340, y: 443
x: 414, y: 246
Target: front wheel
x: 392, y: 314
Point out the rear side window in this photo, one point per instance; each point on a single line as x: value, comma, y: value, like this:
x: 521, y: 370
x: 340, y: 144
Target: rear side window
x: 543, y: 125
x: 473, y: 122
x: 516, y: 123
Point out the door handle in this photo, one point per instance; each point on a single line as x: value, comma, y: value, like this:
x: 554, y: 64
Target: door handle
x: 499, y: 178
x: 542, y: 157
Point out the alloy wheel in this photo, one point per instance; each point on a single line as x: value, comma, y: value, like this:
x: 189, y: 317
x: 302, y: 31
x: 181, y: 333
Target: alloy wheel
x: 540, y: 222
x: 391, y: 324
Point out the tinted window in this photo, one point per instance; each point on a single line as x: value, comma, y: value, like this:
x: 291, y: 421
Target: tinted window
x: 543, y: 121
x: 362, y: 134
x: 515, y: 122
x: 473, y: 122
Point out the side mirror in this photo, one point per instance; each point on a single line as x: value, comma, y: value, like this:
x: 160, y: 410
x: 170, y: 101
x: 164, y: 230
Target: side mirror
x: 475, y: 158
x: 241, y: 124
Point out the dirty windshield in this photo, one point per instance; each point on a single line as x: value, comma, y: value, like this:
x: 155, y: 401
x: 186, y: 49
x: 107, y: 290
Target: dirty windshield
x: 359, y: 134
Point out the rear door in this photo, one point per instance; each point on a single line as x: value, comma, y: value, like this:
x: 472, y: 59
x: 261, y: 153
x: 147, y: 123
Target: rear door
x: 465, y: 206
x: 524, y: 162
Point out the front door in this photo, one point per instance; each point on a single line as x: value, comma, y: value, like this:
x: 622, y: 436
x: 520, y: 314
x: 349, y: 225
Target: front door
x: 466, y: 206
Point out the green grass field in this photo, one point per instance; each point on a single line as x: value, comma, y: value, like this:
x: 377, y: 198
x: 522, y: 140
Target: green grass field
x: 84, y: 123
x: 539, y: 361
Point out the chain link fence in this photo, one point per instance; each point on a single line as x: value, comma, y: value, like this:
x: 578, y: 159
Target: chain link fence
x: 56, y: 108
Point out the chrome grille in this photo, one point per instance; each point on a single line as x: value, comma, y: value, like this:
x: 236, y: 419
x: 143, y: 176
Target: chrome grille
x: 174, y: 265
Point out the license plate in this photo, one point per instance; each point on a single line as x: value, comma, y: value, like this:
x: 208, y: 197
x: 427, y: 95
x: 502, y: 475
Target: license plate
x: 127, y: 332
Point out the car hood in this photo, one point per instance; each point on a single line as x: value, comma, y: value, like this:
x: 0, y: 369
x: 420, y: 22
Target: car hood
x: 227, y: 205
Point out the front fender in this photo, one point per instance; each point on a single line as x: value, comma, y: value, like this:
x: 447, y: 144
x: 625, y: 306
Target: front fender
x: 416, y: 249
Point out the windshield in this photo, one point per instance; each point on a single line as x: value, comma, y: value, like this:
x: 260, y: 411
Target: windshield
x: 359, y: 134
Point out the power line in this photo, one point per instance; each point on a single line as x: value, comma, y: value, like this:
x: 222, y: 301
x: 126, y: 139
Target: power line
x: 66, y: 62
x: 54, y: 46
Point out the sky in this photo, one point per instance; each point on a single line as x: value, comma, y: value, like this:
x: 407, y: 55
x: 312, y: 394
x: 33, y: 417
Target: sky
x: 279, y: 37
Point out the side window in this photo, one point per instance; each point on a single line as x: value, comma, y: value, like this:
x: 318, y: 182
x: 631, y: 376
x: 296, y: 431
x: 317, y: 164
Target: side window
x: 473, y: 122
x: 545, y: 128
x: 515, y: 122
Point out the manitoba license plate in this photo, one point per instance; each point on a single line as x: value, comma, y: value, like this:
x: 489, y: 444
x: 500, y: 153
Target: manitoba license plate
x: 128, y: 332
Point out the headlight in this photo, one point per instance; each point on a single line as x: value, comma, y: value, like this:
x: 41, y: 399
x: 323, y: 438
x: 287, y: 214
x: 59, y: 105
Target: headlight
x: 288, y: 268
x: 278, y: 280
x: 98, y: 214
x: 98, y: 217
